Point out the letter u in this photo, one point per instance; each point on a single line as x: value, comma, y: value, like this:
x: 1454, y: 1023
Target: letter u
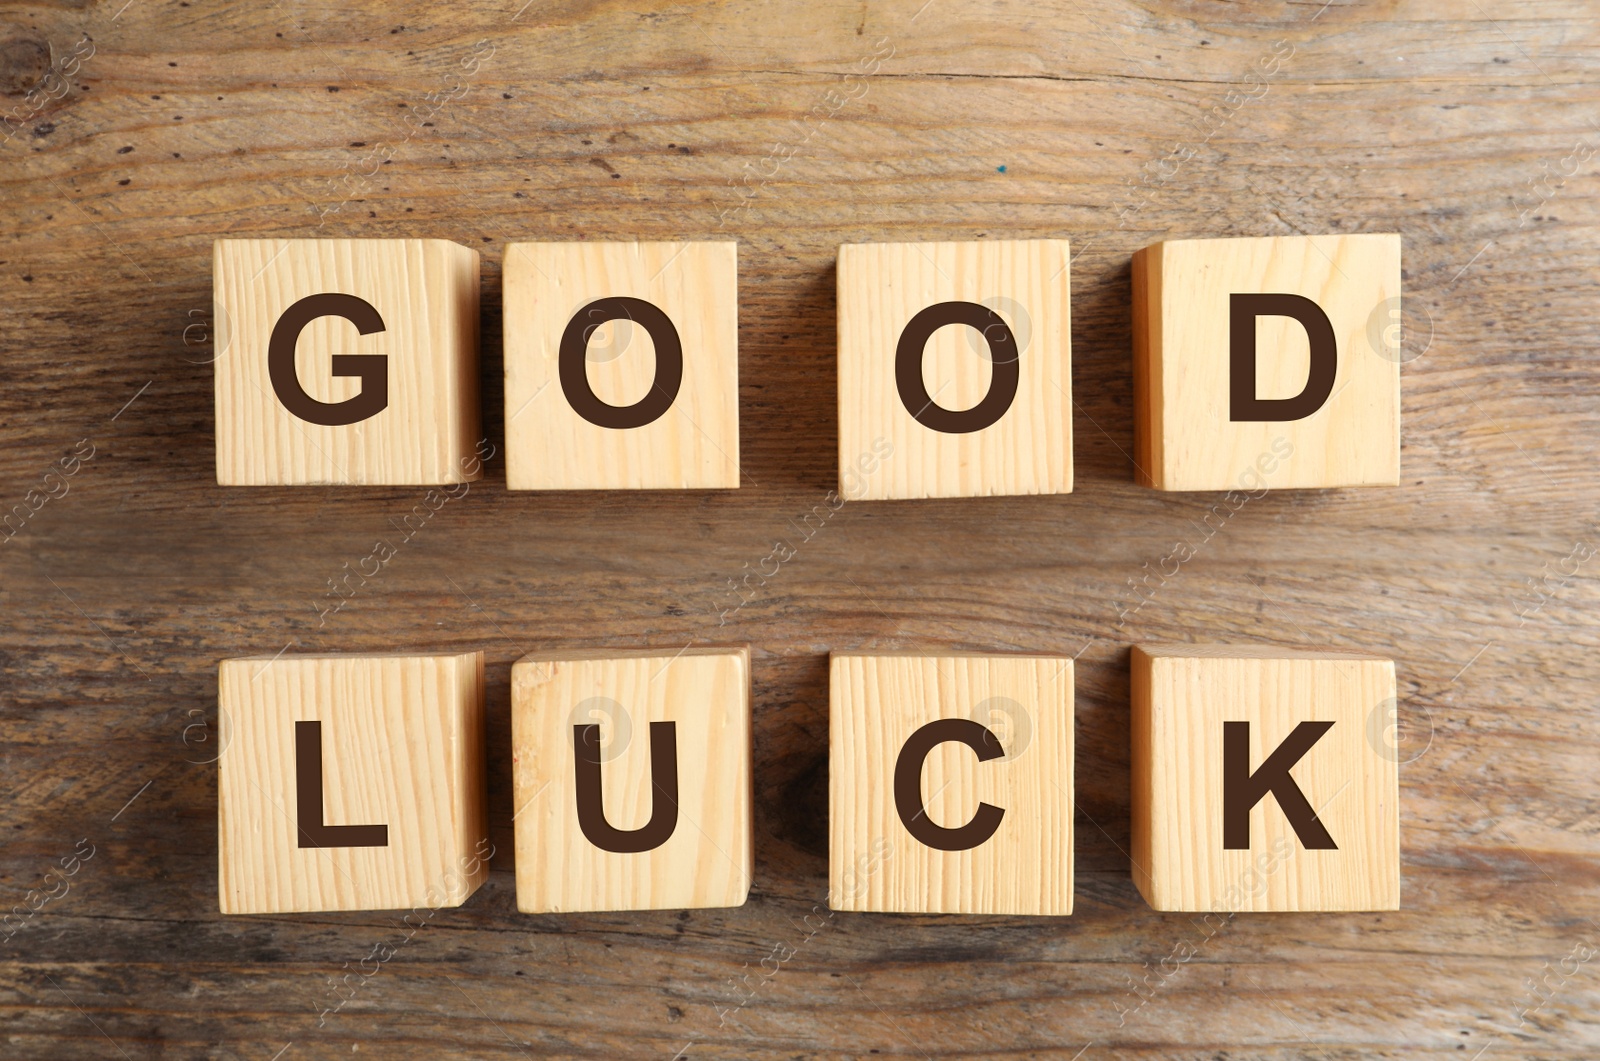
x: 664, y: 791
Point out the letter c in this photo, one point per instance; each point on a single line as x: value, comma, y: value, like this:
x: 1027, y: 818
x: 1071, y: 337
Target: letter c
x: 908, y: 784
x: 372, y: 369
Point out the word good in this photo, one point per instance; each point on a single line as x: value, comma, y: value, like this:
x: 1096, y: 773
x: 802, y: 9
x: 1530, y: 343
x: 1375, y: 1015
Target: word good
x: 356, y: 361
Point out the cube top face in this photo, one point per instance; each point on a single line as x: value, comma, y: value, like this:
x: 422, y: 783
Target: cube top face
x: 1323, y: 406
x: 929, y: 815
x: 398, y: 742
x: 955, y: 369
x: 622, y: 366
x: 631, y: 779
x: 376, y: 375
x: 1262, y: 780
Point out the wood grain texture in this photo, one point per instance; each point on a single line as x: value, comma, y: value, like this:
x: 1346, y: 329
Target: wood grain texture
x: 401, y: 747
x: 708, y: 857
x: 1119, y: 126
x: 1186, y: 437
x: 1028, y: 449
x: 1181, y: 697
x: 876, y: 704
x: 691, y: 443
x: 426, y: 294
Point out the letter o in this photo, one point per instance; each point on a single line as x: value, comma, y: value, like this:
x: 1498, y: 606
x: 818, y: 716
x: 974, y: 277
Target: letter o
x: 1003, y: 355
x: 574, y: 372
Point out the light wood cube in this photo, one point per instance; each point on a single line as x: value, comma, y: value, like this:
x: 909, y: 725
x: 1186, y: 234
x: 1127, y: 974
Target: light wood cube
x: 955, y: 369
x: 1261, y: 363
x: 1262, y: 779
x: 950, y: 784
x: 631, y: 779
x: 622, y: 366
x: 349, y: 361
x: 351, y: 783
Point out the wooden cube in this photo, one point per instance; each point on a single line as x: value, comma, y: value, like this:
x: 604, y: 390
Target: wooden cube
x: 1262, y: 779
x: 955, y: 369
x: 1261, y: 363
x: 950, y: 783
x: 622, y: 366
x: 350, y: 361
x: 631, y: 779
x: 351, y: 783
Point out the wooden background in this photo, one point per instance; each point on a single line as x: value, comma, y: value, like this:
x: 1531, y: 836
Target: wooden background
x: 1469, y: 127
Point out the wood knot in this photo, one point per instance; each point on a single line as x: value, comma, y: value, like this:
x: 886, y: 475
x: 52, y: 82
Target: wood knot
x: 23, y: 63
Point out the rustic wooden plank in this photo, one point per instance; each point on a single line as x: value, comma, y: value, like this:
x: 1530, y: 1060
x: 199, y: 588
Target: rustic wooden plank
x: 794, y: 127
